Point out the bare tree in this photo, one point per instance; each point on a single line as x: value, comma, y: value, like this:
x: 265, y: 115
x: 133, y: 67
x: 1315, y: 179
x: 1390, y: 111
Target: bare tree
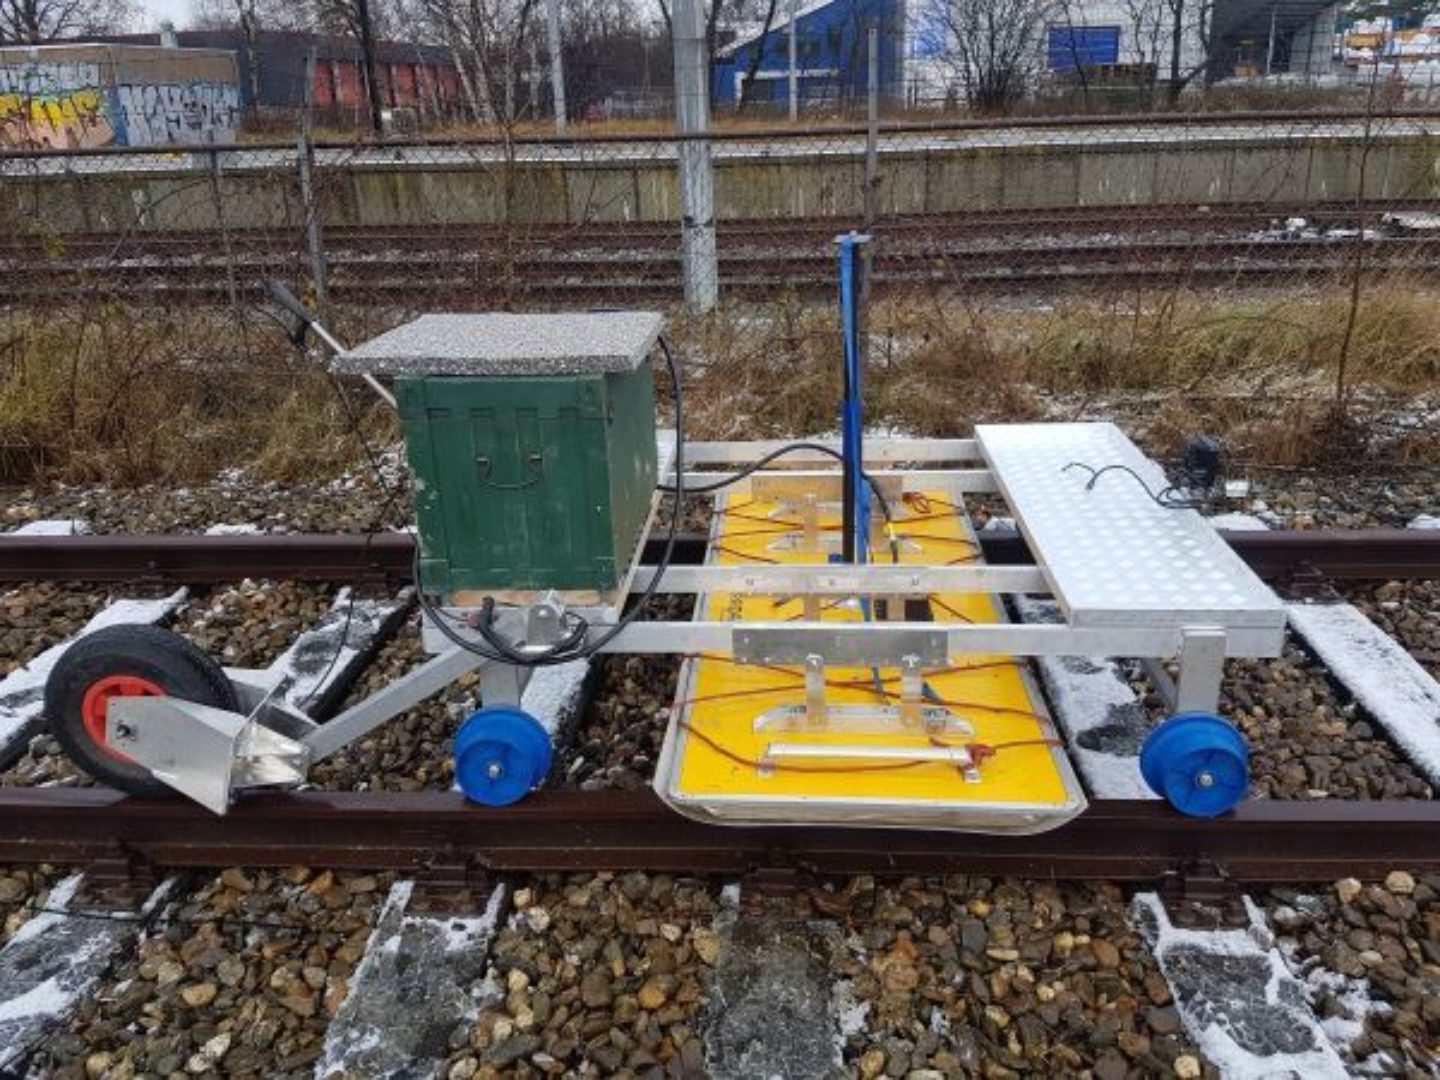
x: 365, y: 21
x: 34, y: 22
x: 747, y: 87
x: 994, y: 47
x: 488, y: 39
x: 1187, y: 19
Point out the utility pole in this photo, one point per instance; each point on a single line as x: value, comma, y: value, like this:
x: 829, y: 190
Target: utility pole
x: 794, y: 75
x: 697, y: 180
x: 319, y: 272
x: 367, y: 53
x: 872, y: 130
x: 1270, y: 47
x: 557, y: 62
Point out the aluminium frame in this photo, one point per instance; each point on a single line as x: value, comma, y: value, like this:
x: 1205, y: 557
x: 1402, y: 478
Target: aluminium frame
x: 274, y: 743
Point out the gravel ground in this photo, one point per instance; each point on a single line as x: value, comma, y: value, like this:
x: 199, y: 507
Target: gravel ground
x: 412, y: 751
x: 37, y: 616
x: 600, y: 968
x: 618, y: 738
x: 934, y: 978
x: 251, y: 624
x: 350, y: 503
x: 240, y: 978
x: 1409, y: 611
x: 1378, y: 941
x: 969, y: 975
x: 24, y: 892
x: 1306, y: 740
x: 1324, y: 501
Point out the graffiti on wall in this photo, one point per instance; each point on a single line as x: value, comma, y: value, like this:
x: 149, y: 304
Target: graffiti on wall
x: 54, y: 105
x: 198, y: 112
x: 68, y: 105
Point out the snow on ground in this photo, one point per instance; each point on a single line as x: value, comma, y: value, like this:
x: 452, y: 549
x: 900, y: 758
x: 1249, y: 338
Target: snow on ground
x: 421, y: 979
x: 1386, y: 680
x: 1425, y: 521
x: 1234, y: 522
x: 22, y: 691
x: 1103, y: 719
x: 52, y: 527
x: 53, y: 962
x: 242, y: 529
x: 327, y: 652
x: 554, y: 691
x: 1238, y: 999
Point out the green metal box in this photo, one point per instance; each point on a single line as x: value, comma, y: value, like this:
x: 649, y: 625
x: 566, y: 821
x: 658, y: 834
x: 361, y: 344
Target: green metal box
x: 531, y: 441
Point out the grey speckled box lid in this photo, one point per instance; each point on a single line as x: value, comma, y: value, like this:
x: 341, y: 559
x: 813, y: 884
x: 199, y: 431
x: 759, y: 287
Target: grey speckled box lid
x: 507, y: 344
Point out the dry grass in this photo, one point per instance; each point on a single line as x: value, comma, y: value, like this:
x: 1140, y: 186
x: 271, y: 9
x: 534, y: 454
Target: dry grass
x: 128, y: 397
x: 1260, y: 372
x: 124, y: 396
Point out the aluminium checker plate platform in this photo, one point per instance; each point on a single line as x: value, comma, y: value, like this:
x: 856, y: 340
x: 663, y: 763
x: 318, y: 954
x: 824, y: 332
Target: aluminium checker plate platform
x: 1113, y: 556
x: 710, y: 766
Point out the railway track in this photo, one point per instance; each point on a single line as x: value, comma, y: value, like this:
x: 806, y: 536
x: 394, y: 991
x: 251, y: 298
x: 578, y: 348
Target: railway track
x: 569, y: 830
x: 462, y: 867
x: 599, y: 262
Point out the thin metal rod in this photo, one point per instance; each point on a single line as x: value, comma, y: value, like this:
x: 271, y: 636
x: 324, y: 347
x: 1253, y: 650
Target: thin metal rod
x: 1012, y: 639
x: 880, y: 450
x: 871, y: 579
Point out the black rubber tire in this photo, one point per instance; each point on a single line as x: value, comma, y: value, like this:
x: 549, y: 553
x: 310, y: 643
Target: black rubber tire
x: 163, y: 657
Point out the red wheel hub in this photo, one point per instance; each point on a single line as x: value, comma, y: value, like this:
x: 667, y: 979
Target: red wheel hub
x: 96, y: 705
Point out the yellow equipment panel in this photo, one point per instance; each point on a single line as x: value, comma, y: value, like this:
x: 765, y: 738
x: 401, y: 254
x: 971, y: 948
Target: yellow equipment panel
x: 713, y: 765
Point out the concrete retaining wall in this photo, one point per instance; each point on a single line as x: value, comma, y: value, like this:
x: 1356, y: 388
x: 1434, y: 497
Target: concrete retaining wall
x: 180, y: 194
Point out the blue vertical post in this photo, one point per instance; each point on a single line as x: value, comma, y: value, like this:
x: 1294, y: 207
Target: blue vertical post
x: 855, y: 532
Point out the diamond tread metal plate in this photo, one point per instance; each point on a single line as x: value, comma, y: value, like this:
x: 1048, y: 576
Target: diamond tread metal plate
x: 1114, y: 557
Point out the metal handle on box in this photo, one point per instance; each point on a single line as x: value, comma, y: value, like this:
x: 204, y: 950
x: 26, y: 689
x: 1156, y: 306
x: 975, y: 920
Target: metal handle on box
x: 536, y: 460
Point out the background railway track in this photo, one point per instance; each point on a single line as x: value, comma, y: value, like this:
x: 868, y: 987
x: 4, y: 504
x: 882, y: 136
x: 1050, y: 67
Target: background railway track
x: 599, y: 262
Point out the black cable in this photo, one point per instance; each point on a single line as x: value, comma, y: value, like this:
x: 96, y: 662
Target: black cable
x: 1168, y: 497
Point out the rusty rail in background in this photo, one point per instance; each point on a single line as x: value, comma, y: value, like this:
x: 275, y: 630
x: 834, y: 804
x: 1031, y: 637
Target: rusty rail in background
x: 617, y: 830
x: 386, y: 558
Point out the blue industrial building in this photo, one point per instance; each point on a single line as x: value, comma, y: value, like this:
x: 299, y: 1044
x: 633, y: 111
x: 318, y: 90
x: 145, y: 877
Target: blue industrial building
x: 831, y: 54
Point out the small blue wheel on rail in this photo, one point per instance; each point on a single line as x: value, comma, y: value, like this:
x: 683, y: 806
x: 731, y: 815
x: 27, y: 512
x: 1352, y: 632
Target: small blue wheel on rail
x: 501, y: 752
x: 1198, y: 763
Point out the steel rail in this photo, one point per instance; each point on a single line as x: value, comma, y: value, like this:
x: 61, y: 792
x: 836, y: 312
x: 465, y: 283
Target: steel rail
x: 387, y: 557
x: 159, y: 242
x: 1263, y: 841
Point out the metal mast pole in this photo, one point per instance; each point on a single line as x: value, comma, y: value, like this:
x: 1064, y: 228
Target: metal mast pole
x: 697, y: 182
x: 557, y: 62
x: 794, y: 75
x: 1270, y: 47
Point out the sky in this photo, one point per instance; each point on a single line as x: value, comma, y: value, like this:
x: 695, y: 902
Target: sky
x: 153, y: 12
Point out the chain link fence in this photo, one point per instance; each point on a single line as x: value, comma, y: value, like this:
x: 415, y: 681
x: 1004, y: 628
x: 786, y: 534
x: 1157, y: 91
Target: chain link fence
x: 967, y: 209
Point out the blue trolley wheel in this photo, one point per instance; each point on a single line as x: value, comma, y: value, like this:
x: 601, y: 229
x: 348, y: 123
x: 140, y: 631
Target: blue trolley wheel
x: 501, y: 752
x: 1198, y: 763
